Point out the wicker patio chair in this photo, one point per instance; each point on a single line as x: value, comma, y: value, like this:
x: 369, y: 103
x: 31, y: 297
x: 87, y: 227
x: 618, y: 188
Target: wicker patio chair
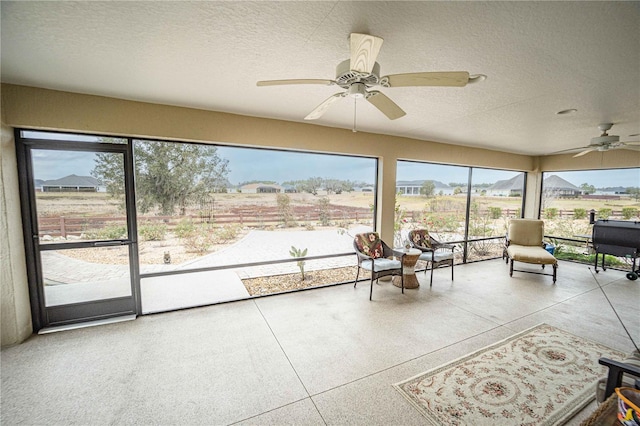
x: 374, y: 256
x: 435, y: 253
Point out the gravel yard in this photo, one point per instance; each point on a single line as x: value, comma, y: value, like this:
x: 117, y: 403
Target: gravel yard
x: 280, y: 283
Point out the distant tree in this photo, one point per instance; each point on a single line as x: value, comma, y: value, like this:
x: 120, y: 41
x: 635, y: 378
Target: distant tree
x: 634, y: 191
x: 457, y: 190
x: 167, y: 174
x: 313, y: 185
x: 587, y: 189
x: 428, y: 188
x: 337, y: 186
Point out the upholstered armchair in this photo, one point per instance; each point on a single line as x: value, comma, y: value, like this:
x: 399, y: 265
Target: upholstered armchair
x: 435, y: 253
x: 524, y: 244
x: 374, y: 256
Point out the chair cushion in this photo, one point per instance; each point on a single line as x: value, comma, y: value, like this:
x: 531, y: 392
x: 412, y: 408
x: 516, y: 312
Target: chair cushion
x: 437, y: 256
x: 526, y: 232
x: 420, y: 237
x: 370, y: 244
x: 531, y: 254
x: 381, y: 264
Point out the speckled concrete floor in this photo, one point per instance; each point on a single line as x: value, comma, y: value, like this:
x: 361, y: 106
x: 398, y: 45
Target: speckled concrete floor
x: 325, y: 356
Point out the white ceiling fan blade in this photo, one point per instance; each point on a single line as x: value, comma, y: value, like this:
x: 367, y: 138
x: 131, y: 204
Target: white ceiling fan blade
x: 586, y: 151
x: 295, y: 81
x: 631, y: 143
x: 324, y: 106
x: 385, y: 105
x: 448, y: 79
x: 364, y: 51
x: 568, y: 151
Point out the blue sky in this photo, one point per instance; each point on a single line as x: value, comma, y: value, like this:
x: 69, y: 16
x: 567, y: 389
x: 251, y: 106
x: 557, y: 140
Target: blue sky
x: 248, y: 164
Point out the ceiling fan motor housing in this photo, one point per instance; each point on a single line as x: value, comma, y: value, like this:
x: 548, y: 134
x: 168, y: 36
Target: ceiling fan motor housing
x: 605, y: 140
x: 345, y: 77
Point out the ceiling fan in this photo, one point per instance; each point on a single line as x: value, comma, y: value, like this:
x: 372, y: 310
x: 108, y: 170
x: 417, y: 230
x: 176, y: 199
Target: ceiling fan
x: 361, y: 72
x: 604, y: 142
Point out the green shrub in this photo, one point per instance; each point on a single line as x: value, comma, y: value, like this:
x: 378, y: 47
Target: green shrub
x: 550, y: 213
x: 153, y: 231
x: 323, y: 211
x: 185, y: 228
x: 629, y: 212
x: 109, y: 232
x: 495, y: 212
x: 579, y: 213
x: 285, y: 210
x: 226, y: 233
x: 200, y: 240
x: 604, y: 213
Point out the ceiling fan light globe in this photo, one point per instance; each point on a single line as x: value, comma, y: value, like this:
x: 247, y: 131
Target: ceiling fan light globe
x: 358, y: 90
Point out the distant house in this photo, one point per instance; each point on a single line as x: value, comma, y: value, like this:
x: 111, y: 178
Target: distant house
x: 618, y: 190
x: 507, y: 188
x: 37, y: 184
x: 261, y: 188
x: 73, y: 183
x: 289, y: 189
x: 560, y: 187
x: 363, y: 189
x: 412, y: 187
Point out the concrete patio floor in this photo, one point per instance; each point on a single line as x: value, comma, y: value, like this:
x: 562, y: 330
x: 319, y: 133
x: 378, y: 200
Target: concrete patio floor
x: 321, y: 357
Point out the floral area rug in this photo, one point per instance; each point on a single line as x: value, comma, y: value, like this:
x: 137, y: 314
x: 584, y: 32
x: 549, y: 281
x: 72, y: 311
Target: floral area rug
x: 541, y: 376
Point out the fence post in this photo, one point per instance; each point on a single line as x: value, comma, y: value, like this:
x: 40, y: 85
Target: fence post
x: 63, y: 229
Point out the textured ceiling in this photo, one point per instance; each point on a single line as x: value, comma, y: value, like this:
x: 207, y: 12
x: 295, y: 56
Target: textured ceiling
x: 540, y: 58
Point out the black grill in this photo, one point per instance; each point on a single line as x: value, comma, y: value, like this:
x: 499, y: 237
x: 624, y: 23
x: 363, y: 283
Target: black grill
x: 618, y: 238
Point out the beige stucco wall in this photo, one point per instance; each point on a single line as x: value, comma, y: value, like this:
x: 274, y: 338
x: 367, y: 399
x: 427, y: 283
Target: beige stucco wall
x: 615, y: 159
x: 15, y: 311
x: 37, y: 108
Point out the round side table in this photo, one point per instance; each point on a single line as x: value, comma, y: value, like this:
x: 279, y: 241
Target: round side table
x: 409, y: 259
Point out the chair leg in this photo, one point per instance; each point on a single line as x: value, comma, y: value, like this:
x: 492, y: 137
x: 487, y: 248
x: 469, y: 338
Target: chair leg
x: 432, y: 268
x: 451, y: 269
x: 371, y: 290
x: 555, y: 268
x: 402, y: 281
x: 357, y: 275
x: 511, y: 269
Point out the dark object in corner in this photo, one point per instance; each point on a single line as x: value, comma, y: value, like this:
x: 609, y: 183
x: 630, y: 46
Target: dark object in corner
x: 618, y: 238
x: 614, y: 379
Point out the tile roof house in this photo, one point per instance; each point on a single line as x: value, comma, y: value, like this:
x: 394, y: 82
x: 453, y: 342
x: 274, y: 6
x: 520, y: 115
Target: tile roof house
x: 507, y: 188
x: 73, y: 183
x: 560, y: 187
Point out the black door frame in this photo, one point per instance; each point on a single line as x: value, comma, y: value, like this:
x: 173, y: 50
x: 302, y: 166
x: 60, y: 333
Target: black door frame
x: 84, y: 311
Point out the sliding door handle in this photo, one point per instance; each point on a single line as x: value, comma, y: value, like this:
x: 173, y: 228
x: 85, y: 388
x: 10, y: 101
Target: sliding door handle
x: 110, y: 243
